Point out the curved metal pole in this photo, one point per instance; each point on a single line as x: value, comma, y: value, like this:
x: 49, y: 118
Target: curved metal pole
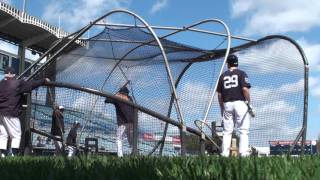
x: 303, y: 133
x: 170, y: 109
x: 167, y: 66
x: 79, y: 33
x: 208, y: 126
x: 187, y: 67
x: 223, y: 64
x: 178, y: 108
x: 227, y: 52
x: 124, y: 75
x: 303, y: 130
x: 178, y: 28
x: 175, y: 32
x: 54, y: 45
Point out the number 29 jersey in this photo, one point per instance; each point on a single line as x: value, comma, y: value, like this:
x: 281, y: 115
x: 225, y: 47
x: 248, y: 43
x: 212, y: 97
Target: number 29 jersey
x: 231, y: 83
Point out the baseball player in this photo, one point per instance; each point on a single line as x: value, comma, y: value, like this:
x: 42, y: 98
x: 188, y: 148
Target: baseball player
x: 72, y: 139
x: 125, y: 115
x: 11, y: 92
x: 233, y: 94
x: 57, y: 128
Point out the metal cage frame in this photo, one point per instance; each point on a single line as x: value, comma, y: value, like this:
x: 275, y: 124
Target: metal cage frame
x: 63, y: 43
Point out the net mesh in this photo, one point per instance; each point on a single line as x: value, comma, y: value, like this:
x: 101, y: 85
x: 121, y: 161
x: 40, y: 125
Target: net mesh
x: 118, y: 56
x: 275, y: 69
x: 99, y: 122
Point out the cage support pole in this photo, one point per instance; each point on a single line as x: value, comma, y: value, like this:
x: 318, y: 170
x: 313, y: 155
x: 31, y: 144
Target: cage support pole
x: 202, y: 142
x: 223, y: 64
x: 305, y: 113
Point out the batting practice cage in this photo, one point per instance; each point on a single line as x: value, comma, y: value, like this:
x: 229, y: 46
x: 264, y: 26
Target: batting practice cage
x: 172, y: 85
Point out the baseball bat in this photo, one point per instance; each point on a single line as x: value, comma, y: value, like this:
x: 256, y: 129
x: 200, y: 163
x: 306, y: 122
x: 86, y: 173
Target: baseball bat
x: 125, y: 84
x: 250, y: 111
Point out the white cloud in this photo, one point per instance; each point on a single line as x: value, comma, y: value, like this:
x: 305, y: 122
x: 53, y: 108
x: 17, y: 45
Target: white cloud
x: 274, y: 108
x: 272, y: 56
x: 313, y: 81
x: 278, y: 106
x: 160, y: 4
x: 6, y: 1
x: 312, y: 52
x: 270, y: 17
x: 268, y: 94
x: 314, y: 86
x: 76, y: 14
x: 194, y: 97
x: 239, y: 7
x: 292, y: 87
x: 315, y: 91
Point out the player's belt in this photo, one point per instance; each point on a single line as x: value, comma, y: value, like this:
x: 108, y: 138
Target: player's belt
x: 232, y: 100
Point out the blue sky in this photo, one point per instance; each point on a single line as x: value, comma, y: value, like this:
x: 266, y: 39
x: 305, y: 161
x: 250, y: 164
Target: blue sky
x: 297, y: 19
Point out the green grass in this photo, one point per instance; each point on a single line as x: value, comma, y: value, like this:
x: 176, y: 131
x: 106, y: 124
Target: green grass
x: 99, y: 167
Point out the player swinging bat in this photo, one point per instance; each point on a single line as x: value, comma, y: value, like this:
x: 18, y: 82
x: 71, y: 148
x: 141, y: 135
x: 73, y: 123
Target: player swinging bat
x: 125, y: 117
x: 234, y: 100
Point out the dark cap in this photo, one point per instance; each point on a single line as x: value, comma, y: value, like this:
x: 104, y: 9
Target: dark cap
x: 9, y: 70
x: 124, y: 90
x: 232, y: 60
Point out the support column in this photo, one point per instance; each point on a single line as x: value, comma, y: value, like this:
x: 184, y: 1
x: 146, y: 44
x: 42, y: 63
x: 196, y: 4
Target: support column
x: 26, y: 140
x: 26, y: 144
x: 305, y: 115
x: 135, y: 134
x: 21, y: 55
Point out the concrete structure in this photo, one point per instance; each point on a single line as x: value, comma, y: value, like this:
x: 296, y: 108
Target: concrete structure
x: 27, y: 32
x: 20, y: 28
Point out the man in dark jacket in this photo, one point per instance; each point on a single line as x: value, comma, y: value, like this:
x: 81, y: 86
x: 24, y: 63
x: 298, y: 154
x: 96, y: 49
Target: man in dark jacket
x: 72, y: 139
x: 11, y: 92
x: 125, y: 116
x: 57, y: 128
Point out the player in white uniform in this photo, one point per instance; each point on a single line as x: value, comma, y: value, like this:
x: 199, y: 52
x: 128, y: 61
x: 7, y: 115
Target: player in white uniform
x: 233, y: 94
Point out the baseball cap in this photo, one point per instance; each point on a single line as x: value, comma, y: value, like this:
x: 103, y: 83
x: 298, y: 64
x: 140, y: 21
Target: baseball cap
x: 61, y: 107
x: 124, y: 90
x: 232, y: 60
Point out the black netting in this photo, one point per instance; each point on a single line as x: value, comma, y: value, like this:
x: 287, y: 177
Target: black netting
x: 106, y: 66
x: 276, y: 72
x: 118, y: 56
x: 98, y: 120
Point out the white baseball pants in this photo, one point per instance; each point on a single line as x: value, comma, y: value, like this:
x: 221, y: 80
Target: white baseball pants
x: 235, y: 115
x: 58, y: 146
x: 121, y: 130
x: 71, y: 151
x: 10, y: 127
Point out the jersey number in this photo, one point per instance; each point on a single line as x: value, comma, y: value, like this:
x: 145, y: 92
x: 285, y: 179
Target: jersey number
x: 230, y: 81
